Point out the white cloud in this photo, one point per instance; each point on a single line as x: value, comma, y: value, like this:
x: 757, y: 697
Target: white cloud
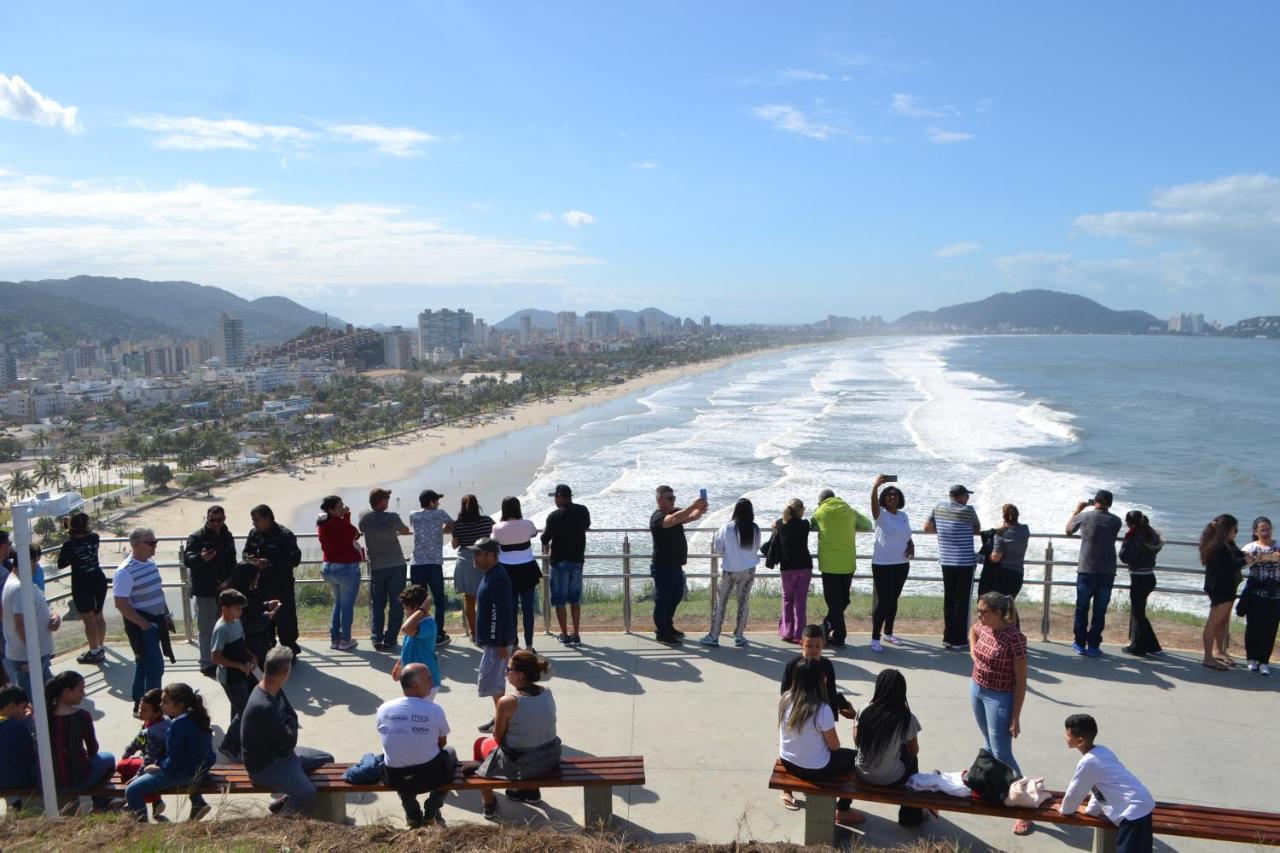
x: 956, y: 249
x: 913, y: 107
x: 803, y: 75
x: 192, y: 133
x: 938, y: 136
x: 21, y: 102
x: 396, y: 141
x: 644, y: 164
x: 792, y: 120
x: 232, y: 236
x: 545, y: 216
x: 577, y: 218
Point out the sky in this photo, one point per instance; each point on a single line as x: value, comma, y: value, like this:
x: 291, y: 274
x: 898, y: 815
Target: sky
x: 757, y: 162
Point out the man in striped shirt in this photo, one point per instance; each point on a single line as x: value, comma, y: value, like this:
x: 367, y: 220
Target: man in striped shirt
x: 956, y: 523
x: 140, y: 600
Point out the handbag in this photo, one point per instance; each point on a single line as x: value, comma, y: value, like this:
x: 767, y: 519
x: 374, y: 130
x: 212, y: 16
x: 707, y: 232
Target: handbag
x: 989, y: 778
x: 1027, y: 793
x: 768, y: 551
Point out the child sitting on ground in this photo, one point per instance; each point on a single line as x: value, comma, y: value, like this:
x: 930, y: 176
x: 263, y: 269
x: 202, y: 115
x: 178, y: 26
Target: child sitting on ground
x: 17, y: 741
x: 1113, y: 791
x: 419, y: 631
x: 147, y: 747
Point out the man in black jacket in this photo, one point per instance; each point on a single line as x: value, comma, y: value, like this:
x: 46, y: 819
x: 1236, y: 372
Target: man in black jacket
x: 210, y: 556
x: 274, y: 549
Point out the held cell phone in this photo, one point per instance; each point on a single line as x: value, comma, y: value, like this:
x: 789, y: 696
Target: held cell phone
x: 891, y: 478
x: 702, y: 493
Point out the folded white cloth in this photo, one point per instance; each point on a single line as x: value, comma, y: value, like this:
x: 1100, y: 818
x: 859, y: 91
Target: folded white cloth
x: 946, y: 783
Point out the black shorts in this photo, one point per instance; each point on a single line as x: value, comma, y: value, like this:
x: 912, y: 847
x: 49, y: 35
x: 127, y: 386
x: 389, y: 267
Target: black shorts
x: 1220, y: 594
x: 89, y: 593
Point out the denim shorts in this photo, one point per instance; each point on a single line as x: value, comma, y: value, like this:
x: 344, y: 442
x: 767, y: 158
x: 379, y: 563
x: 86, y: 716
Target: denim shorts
x: 566, y: 583
x: 491, y: 677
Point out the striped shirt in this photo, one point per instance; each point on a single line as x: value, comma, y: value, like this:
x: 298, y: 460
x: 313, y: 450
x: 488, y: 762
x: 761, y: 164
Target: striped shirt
x: 955, y: 523
x: 469, y: 532
x: 73, y: 740
x: 139, y: 581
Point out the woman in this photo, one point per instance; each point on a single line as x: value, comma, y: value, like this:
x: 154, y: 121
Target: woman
x: 341, y: 568
x: 1260, y: 600
x: 1008, y: 553
x: 738, y: 545
x: 890, y: 558
x: 513, y: 534
x: 524, y: 743
x: 885, y: 735
x: 1222, y: 562
x: 188, y: 753
x: 999, y: 686
x: 807, y: 741
x: 795, y: 565
x: 1138, y: 552
x: 88, y: 584
x: 469, y: 527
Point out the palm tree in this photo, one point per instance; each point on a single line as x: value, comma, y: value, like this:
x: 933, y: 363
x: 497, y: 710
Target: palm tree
x: 79, y: 466
x: 48, y: 473
x: 20, y: 485
x: 40, y: 441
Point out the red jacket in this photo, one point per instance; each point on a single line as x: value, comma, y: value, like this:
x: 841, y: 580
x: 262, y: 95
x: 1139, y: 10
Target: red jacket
x: 338, y: 539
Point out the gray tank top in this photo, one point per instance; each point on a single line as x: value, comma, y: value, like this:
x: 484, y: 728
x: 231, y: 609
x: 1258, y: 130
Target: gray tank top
x: 534, y: 722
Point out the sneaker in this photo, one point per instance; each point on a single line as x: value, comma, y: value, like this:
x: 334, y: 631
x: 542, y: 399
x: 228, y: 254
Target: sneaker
x: 277, y: 805
x: 486, y: 728
x: 876, y: 647
x: 1252, y: 667
x: 1093, y: 652
x: 949, y: 646
x: 347, y: 645
x: 199, y: 810
x: 157, y: 808
x: 209, y: 671
x: 1264, y: 669
x: 678, y: 633
x: 892, y: 640
x: 739, y: 641
x: 87, y: 657
x: 490, y: 811
x: 443, y: 640
x: 709, y: 641
x: 670, y: 639
x: 576, y: 640
x: 333, y: 644
x: 564, y: 640
x: 1077, y: 648
x: 531, y: 796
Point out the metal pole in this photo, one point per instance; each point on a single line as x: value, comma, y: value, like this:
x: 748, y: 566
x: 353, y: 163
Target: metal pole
x: 1047, y: 592
x: 546, y: 593
x: 185, y: 574
x: 626, y: 583
x: 44, y: 746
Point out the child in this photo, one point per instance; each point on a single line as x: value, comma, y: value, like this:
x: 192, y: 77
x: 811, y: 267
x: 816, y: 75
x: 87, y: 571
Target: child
x: 1112, y: 790
x: 188, y: 753
x: 37, y: 570
x: 886, y: 740
x: 78, y: 765
x: 419, y: 630
x: 229, y: 651
x: 17, y: 741
x: 149, y: 742
x: 88, y: 584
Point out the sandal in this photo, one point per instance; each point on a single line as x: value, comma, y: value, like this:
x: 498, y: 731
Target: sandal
x: 789, y: 803
x: 1224, y: 659
x: 1215, y: 664
x: 1023, y: 827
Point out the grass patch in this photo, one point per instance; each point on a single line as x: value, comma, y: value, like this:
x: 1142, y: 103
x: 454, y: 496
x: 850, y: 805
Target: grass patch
x: 95, y: 489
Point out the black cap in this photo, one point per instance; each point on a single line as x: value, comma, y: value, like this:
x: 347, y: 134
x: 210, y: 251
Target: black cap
x: 486, y: 544
x: 958, y: 489
x: 562, y: 491
x: 427, y: 496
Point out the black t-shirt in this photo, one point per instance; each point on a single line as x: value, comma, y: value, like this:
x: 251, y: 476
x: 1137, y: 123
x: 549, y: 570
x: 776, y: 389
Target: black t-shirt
x: 669, y: 545
x: 81, y: 554
x: 566, y: 529
x: 838, y: 701
x: 268, y: 729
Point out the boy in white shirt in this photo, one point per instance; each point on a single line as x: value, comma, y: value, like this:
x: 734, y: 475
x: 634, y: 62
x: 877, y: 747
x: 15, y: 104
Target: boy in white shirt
x: 1113, y: 791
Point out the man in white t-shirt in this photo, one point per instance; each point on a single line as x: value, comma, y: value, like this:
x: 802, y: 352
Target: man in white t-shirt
x: 15, y: 648
x: 414, y: 734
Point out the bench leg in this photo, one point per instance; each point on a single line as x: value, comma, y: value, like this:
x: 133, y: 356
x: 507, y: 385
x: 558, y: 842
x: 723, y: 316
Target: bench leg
x: 597, y: 806
x: 819, y: 819
x: 1104, y: 840
x: 330, y: 806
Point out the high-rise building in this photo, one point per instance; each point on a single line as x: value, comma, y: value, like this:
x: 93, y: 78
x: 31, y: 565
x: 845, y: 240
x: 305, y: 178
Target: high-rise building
x: 567, y: 327
x: 601, y: 326
x: 526, y: 329
x: 445, y: 329
x: 397, y: 347
x: 229, y: 345
x: 8, y: 366
x: 480, y: 335
x: 1187, y: 324
x: 706, y: 324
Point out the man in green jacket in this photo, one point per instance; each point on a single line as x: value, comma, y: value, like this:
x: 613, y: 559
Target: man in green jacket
x: 837, y: 524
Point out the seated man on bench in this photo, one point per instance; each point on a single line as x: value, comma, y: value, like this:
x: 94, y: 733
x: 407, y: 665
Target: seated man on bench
x: 414, y: 731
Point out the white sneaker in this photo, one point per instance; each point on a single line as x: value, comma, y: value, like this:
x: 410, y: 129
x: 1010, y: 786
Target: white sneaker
x: 1253, y: 667
x: 1265, y: 669
x: 892, y: 640
x: 876, y: 647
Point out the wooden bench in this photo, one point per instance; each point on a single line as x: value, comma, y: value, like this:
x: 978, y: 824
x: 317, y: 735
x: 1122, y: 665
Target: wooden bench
x: 597, y: 776
x: 1218, y: 824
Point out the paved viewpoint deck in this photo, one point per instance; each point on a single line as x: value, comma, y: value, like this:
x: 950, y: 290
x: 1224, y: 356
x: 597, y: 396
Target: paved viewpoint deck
x: 704, y: 719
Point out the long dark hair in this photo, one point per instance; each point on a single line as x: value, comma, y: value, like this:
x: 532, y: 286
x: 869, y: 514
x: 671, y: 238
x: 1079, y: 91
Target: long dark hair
x: 470, y: 509
x: 242, y: 577
x: 744, y: 516
x: 510, y: 508
x: 60, y: 683
x: 78, y: 524
x: 1262, y: 519
x: 883, y: 724
x: 191, y: 700
x: 1142, y: 525
x: 1216, y: 533
x: 807, y: 694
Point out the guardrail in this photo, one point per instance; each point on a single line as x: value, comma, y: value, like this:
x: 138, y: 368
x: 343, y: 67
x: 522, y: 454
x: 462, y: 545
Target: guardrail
x: 626, y: 577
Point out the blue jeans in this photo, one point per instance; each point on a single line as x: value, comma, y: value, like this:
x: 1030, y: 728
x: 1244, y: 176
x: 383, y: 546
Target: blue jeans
x: 101, y: 766
x: 566, y: 583
x: 993, y: 709
x: 288, y: 776
x: 344, y: 580
x: 144, y: 784
x: 1095, y: 588
x: 385, y: 586
x: 668, y: 590
x: 148, y: 669
x: 431, y: 575
x: 17, y: 670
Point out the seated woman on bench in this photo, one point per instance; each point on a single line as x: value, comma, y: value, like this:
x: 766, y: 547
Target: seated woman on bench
x: 807, y: 741
x: 885, y: 735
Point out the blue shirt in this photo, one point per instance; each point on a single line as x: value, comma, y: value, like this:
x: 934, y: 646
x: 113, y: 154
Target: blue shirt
x: 495, y: 609
x: 422, y: 649
x: 188, y: 750
x: 955, y: 523
x: 18, y: 746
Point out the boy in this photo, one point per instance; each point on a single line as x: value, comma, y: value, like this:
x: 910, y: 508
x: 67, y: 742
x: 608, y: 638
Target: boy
x: 236, y: 665
x: 17, y: 741
x: 1113, y: 791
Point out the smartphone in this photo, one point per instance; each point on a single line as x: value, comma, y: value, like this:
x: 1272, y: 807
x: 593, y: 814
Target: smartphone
x: 702, y: 493
x: 891, y: 478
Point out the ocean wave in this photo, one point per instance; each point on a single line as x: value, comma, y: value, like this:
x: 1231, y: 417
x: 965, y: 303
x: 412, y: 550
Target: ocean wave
x: 1050, y: 421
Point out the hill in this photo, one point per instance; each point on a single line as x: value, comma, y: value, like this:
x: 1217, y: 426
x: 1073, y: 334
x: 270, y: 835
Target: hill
x: 1044, y: 311
x: 546, y: 320
x: 134, y: 309
x: 1255, y: 327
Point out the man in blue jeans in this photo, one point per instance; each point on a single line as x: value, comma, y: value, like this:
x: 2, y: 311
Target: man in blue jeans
x: 670, y: 553
x: 430, y: 524
x: 140, y: 600
x: 269, y: 740
x: 382, y: 531
x: 565, y: 535
x: 1096, y: 570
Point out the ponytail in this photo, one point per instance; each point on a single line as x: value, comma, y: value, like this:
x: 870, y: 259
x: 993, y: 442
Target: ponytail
x: 1002, y: 604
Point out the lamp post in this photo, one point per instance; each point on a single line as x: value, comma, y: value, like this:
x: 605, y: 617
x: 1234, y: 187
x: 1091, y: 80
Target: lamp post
x: 43, y: 504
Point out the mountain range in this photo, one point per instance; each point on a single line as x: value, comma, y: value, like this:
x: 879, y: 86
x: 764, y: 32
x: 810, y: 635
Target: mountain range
x: 546, y: 320
x: 1032, y: 311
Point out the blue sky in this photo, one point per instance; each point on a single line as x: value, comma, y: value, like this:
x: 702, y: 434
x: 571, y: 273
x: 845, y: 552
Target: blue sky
x: 745, y: 160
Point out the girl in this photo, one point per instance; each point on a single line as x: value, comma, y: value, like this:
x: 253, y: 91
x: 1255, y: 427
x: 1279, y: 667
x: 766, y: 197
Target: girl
x: 1260, y: 600
x: 78, y: 765
x: 469, y: 528
x: 513, y: 534
x: 795, y: 565
x: 885, y: 735
x: 1222, y: 562
x: 188, y: 753
x: 88, y: 584
x: 148, y: 746
x: 1138, y: 551
x: 419, y: 630
x: 738, y: 544
x: 807, y: 741
x: 890, y: 559
x: 524, y: 743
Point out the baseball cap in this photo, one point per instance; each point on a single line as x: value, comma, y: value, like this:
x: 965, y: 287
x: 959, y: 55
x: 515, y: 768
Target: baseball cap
x: 426, y: 496
x: 958, y: 489
x: 486, y: 544
x: 562, y: 491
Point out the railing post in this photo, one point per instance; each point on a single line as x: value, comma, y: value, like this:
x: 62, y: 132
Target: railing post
x: 626, y: 583
x: 1047, y: 594
x: 184, y: 574
x: 546, y: 593
x: 715, y: 581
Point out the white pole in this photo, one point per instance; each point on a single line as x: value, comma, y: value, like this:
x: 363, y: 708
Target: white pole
x: 44, y: 747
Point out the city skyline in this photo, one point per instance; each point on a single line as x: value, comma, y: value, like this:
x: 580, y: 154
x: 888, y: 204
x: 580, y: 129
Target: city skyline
x: 858, y: 160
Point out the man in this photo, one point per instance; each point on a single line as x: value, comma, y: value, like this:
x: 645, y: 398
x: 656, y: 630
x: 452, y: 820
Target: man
x: 16, y: 665
x: 564, y: 534
x: 1112, y: 790
x: 429, y: 526
x: 382, y: 531
x: 140, y: 600
x: 1095, y: 571
x: 955, y: 523
x: 416, y: 758
x: 495, y: 623
x: 274, y: 550
x: 269, y: 739
x: 670, y: 553
x: 837, y: 525
x: 210, y: 556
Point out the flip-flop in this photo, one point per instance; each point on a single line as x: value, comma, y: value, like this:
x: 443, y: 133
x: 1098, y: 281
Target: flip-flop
x: 1217, y: 664
x: 789, y: 803
x: 1023, y: 827
x: 1227, y: 661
